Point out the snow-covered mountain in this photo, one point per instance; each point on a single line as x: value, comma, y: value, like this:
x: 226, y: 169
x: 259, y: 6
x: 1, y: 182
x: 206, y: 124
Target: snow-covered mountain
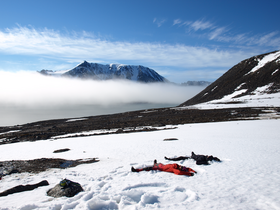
x: 256, y: 78
x: 97, y: 71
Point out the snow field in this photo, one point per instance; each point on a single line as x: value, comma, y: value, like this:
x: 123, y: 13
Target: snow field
x: 247, y: 178
x: 260, y: 99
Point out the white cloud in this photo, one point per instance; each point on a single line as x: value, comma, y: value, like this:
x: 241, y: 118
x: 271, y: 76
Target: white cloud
x: 195, y: 25
x: 177, y: 22
x: 222, y: 34
x: 217, y: 33
x: 159, y: 21
x: 201, y: 25
x: 268, y: 39
x: 31, y: 89
x: 79, y: 47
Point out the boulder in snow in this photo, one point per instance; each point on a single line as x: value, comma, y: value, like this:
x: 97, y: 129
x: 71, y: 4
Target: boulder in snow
x: 65, y: 188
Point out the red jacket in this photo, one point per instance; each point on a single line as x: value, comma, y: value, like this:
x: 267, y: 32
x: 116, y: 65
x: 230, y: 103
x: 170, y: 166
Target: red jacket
x: 173, y: 168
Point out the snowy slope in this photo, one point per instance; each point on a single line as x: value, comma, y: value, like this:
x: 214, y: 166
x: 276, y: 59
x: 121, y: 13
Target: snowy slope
x: 258, y: 98
x: 97, y: 71
x: 247, y: 178
x: 275, y: 56
x: 252, y: 77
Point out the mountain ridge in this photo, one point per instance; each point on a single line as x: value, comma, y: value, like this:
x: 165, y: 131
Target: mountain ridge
x: 247, y: 77
x: 86, y: 70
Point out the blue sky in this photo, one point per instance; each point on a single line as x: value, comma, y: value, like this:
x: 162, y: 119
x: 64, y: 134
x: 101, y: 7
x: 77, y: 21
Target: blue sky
x: 180, y: 39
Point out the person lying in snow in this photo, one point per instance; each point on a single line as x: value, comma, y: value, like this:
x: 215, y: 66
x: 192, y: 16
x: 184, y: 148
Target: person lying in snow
x: 173, y: 168
x: 200, y: 159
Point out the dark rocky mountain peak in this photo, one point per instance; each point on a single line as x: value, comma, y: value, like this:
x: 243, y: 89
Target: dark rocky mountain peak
x: 245, y: 77
x: 97, y: 71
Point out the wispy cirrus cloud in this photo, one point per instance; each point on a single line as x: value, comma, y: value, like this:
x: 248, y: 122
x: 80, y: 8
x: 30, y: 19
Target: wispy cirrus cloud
x: 194, y: 25
x: 217, y: 32
x: 224, y: 34
x: 201, y: 25
x: 262, y: 40
x: 269, y: 39
x: 76, y: 47
x: 177, y: 22
x: 159, y: 21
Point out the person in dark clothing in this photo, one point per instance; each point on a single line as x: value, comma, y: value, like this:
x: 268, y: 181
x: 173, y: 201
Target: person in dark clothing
x: 178, y: 158
x: 172, y: 168
x: 203, y: 159
x: 200, y: 159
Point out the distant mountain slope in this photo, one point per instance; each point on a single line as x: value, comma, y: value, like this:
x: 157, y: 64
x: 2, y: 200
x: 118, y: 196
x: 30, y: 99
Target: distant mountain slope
x: 97, y: 71
x: 257, y: 74
x: 196, y: 83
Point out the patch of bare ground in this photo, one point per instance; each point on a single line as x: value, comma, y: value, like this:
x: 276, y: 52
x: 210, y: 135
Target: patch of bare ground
x: 136, y: 121
x: 39, y: 165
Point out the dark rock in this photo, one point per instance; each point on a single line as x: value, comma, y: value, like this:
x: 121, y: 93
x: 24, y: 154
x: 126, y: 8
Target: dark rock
x: 65, y: 188
x: 66, y: 164
x: 170, y: 139
x: 4, y: 171
x: 39, y: 165
x: 61, y: 150
x: 22, y: 188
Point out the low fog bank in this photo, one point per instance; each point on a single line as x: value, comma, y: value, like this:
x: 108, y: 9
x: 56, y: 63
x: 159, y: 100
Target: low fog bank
x: 15, y: 115
x: 33, y: 89
x: 30, y: 96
